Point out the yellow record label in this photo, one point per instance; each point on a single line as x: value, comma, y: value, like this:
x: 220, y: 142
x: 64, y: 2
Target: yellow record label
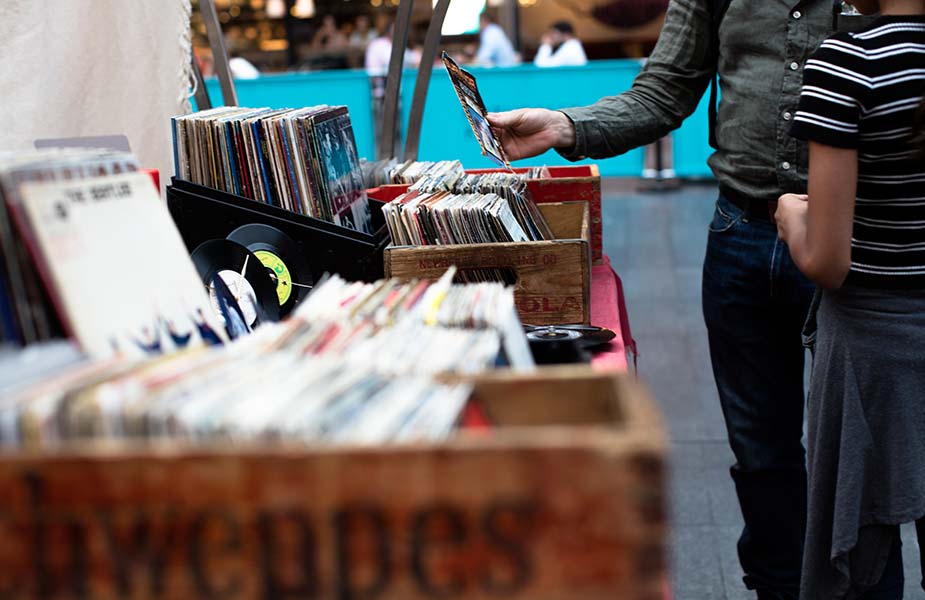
x: 283, y: 277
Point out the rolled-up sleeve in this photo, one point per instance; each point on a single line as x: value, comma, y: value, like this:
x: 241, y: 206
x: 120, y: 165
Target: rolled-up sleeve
x: 665, y: 92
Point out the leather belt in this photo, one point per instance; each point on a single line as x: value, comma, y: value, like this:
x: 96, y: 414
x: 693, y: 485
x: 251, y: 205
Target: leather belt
x: 762, y: 210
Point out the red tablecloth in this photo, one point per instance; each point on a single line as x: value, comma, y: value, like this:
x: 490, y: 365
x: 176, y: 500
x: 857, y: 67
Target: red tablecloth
x: 608, y: 309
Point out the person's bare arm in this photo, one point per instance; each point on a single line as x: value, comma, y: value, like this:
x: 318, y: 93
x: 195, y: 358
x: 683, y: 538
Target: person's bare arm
x: 818, y: 231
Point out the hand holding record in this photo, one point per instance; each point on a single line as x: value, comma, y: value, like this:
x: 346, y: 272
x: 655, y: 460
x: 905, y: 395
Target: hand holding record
x: 527, y: 132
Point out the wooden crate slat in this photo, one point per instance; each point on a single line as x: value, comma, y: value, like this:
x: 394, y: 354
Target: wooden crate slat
x: 553, y: 277
x: 533, y: 510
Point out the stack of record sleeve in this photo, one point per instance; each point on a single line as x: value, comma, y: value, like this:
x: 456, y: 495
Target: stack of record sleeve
x: 358, y: 363
x: 303, y: 160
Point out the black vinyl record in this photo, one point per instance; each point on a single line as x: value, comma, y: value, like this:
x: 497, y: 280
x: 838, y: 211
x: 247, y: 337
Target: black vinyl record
x: 589, y: 334
x: 554, y: 345
x: 553, y: 334
x: 283, y: 260
x: 244, y: 274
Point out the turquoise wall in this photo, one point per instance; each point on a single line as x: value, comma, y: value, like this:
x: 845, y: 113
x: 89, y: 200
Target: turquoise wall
x: 446, y: 132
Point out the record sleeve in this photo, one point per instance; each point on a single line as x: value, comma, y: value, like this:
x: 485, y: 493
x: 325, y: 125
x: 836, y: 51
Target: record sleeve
x: 116, y: 265
x: 340, y: 170
x: 471, y: 100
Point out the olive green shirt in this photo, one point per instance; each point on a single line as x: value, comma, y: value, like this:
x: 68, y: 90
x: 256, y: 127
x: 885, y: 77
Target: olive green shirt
x: 763, y: 45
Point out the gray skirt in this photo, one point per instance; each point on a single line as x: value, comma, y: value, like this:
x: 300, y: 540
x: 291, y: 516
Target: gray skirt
x: 865, y: 435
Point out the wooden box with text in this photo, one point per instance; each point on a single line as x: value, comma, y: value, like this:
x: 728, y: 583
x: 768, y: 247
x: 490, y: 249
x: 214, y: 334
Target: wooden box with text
x: 561, y: 498
x: 553, y: 278
x: 569, y: 183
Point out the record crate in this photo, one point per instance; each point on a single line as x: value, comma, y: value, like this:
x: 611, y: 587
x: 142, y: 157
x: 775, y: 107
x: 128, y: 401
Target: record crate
x: 578, y: 183
x: 552, y: 278
x: 562, y: 497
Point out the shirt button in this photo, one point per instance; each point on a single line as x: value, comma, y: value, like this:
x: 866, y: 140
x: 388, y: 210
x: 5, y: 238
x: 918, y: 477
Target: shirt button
x: 785, y: 166
x: 787, y: 115
x: 797, y: 14
x: 794, y: 66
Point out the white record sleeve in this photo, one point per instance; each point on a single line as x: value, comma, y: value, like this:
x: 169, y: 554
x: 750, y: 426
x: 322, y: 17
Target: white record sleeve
x: 117, y: 268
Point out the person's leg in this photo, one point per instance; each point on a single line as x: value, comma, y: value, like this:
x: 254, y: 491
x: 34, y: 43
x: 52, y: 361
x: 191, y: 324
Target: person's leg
x: 892, y: 581
x: 920, y: 536
x: 754, y: 306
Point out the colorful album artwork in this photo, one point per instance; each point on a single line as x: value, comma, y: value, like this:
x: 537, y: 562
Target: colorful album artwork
x: 341, y: 171
x: 468, y: 92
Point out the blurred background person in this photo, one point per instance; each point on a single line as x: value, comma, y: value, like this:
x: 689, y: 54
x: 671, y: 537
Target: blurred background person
x: 241, y: 68
x: 379, y: 53
x: 328, y: 36
x: 378, y: 56
x: 560, y: 47
x: 363, y: 32
x: 495, y: 50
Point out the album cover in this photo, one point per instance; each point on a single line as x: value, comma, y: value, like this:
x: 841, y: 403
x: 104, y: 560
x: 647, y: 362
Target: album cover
x: 340, y: 167
x: 116, y: 266
x: 471, y: 100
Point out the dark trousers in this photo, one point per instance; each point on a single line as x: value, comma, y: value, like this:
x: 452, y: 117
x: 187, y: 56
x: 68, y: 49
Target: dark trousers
x: 755, y: 302
x: 892, y: 581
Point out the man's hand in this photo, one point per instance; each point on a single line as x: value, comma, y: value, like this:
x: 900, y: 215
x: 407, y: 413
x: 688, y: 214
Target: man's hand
x: 791, y: 213
x: 527, y: 132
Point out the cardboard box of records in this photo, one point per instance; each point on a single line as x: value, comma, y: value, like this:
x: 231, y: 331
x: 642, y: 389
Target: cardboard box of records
x: 551, y: 279
x: 563, y: 498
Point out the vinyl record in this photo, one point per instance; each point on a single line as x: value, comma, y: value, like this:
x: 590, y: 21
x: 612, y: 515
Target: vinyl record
x: 590, y: 334
x: 555, y: 345
x: 243, y: 273
x: 281, y: 256
x: 553, y: 334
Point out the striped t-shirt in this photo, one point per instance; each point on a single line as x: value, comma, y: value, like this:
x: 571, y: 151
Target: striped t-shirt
x: 863, y: 90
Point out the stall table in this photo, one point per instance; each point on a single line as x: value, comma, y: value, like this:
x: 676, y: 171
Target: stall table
x: 608, y: 309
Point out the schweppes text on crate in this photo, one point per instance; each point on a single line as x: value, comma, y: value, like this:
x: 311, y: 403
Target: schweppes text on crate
x: 562, y: 500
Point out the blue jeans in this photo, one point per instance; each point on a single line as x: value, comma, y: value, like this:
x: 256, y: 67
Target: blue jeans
x: 755, y: 302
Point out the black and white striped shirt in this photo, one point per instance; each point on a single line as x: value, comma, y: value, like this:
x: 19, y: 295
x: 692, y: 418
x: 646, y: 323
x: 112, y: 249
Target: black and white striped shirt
x: 862, y: 90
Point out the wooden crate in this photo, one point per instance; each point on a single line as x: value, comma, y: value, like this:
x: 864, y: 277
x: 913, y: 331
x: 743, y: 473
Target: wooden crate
x: 553, y: 277
x: 563, y: 500
x: 570, y: 183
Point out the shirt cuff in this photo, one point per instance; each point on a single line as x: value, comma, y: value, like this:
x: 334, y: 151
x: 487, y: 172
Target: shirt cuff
x: 582, y: 122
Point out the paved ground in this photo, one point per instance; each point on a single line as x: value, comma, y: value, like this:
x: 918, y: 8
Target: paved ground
x: 656, y: 242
